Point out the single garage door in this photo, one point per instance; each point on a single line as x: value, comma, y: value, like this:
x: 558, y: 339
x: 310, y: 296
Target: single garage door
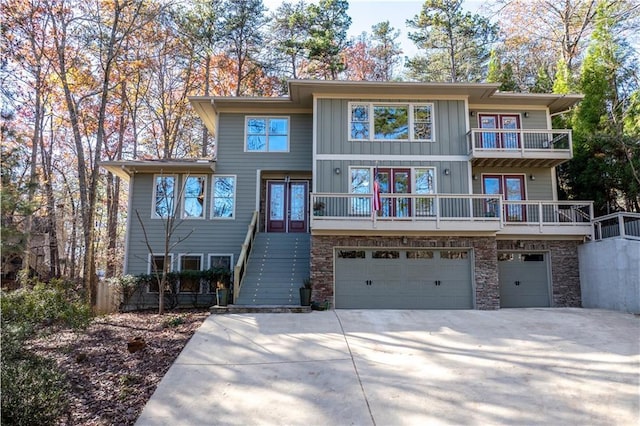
x: 403, y: 279
x: 524, y: 280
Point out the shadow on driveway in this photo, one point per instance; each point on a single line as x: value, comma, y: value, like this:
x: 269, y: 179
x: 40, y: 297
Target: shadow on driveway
x: 516, y: 366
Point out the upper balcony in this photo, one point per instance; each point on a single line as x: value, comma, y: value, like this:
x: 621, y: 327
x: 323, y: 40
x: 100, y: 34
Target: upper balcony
x: 452, y: 213
x: 519, y: 148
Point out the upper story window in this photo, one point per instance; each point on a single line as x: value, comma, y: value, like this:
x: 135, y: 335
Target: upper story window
x: 224, y: 196
x: 194, y: 190
x: 391, y: 121
x: 164, y: 196
x: 267, y: 134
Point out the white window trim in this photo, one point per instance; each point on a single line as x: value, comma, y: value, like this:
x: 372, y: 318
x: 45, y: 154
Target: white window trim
x: 412, y: 170
x: 153, y: 198
x: 184, y: 198
x: 213, y: 197
x: 414, y: 177
x: 267, y: 117
x: 180, y: 256
x: 150, y: 269
x: 230, y: 255
x: 410, y: 106
x: 220, y: 254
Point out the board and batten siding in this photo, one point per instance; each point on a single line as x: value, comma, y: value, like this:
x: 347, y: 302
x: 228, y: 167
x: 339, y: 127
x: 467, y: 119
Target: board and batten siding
x: 327, y: 181
x: 537, y: 118
x: 332, y: 138
x: 449, y: 119
x: 218, y: 236
x: 539, y: 189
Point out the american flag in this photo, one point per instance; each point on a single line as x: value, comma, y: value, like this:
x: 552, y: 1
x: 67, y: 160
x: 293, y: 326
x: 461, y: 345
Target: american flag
x: 376, y: 193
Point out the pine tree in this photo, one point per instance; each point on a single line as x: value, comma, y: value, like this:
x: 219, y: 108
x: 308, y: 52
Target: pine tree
x: 455, y: 43
x: 607, y: 158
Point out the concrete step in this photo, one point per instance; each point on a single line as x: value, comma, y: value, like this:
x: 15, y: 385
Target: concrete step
x: 259, y: 309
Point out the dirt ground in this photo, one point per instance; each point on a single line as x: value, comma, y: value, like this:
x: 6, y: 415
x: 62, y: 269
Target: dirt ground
x: 108, y: 383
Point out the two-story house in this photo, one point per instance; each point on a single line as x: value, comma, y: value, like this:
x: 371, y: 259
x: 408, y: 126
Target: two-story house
x: 389, y: 195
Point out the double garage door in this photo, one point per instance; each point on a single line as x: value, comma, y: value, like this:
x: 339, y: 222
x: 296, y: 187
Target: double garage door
x: 403, y: 279
x: 524, y: 280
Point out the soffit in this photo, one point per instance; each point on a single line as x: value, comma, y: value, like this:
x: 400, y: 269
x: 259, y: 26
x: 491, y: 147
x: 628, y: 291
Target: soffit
x: 126, y: 169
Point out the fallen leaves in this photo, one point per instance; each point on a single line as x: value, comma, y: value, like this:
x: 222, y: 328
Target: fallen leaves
x: 108, y: 384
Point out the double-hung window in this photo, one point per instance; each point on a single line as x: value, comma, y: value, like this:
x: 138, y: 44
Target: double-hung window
x: 217, y: 262
x: 156, y: 268
x: 424, y: 184
x: 224, y: 196
x: 194, y: 194
x: 267, y: 134
x: 164, y: 193
x: 391, y: 122
x: 190, y: 281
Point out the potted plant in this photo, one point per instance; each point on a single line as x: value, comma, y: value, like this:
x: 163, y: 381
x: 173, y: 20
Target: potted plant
x: 222, y: 293
x: 305, y: 292
x: 318, y: 208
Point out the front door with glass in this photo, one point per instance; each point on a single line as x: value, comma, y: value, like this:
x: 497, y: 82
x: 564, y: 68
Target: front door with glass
x: 503, y: 139
x: 512, y: 189
x: 394, y: 181
x: 287, y: 206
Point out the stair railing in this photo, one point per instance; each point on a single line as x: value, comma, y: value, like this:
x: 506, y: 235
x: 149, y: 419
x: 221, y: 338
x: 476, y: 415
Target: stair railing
x: 241, y: 265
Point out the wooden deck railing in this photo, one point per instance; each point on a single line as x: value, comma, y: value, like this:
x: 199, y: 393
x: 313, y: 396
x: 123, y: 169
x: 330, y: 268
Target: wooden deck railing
x: 617, y: 225
x: 519, y: 140
x: 545, y: 213
x: 241, y: 265
x: 332, y: 206
x: 459, y: 208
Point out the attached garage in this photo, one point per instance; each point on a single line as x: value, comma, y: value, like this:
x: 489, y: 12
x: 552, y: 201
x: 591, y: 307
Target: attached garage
x: 403, y: 279
x: 524, y: 280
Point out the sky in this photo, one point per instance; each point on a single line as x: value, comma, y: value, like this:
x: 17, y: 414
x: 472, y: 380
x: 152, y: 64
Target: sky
x: 365, y: 13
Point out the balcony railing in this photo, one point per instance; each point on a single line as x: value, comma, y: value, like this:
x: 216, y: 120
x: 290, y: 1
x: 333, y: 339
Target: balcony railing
x: 470, y: 212
x: 617, y: 225
x: 550, y: 145
x: 541, y: 214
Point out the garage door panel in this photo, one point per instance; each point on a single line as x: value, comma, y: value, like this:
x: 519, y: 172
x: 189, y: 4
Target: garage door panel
x: 524, y: 281
x: 403, y: 279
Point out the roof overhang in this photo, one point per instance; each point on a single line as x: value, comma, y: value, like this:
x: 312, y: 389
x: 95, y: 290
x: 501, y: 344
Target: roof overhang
x: 554, y: 102
x: 303, y: 92
x: 127, y: 168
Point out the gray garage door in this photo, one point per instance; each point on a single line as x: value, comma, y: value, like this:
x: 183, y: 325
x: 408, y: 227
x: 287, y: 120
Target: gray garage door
x: 524, y: 281
x: 403, y: 279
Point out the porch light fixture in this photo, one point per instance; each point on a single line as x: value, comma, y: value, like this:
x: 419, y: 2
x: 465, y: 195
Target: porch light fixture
x: 532, y: 177
x: 447, y: 172
x: 336, y: 170
x: 472, y: 113
x: 475, y: 177
x: 526, y: 114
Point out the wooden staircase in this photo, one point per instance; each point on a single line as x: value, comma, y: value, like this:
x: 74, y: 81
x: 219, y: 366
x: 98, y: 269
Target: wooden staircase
x: 277, y: 266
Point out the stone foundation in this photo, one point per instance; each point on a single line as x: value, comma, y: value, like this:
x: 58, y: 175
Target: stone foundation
x: 565, y: 271
x: 563, y: 262
x: 487, y: 291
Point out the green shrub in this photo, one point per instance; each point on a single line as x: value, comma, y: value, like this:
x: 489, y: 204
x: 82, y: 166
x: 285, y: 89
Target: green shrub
x: 33, y: 391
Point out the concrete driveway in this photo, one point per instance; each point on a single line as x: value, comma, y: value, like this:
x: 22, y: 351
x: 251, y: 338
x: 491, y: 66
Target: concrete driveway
x: 348, y: 367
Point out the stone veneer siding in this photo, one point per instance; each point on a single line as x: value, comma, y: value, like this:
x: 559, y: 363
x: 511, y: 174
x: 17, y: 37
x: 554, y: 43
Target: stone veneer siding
x: 565, y: 272
x: 487, y: 291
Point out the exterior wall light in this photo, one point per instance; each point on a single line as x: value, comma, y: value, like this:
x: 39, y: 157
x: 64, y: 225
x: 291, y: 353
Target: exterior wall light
x: 532, y: 177
x: 336, y: 170
x: 526, y: 114
x: 447, y: 172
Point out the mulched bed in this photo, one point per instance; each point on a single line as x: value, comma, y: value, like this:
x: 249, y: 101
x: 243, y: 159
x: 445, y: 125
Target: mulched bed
x: 108, y: 384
